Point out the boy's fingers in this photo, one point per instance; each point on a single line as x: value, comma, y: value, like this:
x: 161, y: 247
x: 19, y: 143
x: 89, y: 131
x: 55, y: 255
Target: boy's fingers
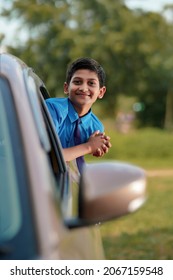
x: 98, y: 153
x: 105, y: 148
x: 107, y: 143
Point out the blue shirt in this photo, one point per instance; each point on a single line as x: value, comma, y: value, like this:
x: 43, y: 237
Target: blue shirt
x: 64, y: 117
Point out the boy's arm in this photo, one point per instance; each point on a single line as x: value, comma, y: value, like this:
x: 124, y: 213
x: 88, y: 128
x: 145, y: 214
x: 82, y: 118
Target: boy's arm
x: 95, y: 142
x: 76, y: 151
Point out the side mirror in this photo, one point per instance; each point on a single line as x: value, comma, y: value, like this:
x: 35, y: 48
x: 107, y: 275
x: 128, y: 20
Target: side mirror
x: 110, y: 190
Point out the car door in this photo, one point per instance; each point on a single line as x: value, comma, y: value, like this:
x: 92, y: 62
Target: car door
x: 79, y: 243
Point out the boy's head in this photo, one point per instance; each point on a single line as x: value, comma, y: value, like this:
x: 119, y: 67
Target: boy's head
x: 86, y: 63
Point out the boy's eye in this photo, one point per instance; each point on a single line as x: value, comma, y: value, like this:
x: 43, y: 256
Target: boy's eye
x: 77, y: 82
x: 91, y: 83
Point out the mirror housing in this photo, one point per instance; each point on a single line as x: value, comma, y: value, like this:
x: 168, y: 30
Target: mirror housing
x: 110, y: 190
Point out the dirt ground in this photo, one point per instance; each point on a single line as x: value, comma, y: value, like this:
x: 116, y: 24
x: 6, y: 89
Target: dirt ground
x: 159, y: 173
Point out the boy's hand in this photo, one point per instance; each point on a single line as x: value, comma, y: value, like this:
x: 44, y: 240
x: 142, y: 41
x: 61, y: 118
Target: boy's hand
x: 107, y: 138
x: 105, y: 144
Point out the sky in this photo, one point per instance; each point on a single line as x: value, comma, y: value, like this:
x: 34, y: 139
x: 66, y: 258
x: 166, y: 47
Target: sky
x: 149, y: 5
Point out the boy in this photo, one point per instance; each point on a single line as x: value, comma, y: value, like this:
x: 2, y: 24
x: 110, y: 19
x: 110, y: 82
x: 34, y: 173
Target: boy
x: 85, y: 82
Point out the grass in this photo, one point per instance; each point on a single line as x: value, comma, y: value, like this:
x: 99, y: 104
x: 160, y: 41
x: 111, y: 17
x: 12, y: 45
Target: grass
x: 148, y: 233
x: 149, y: 148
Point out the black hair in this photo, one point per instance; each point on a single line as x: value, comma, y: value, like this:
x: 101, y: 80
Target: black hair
x: 86, y: 63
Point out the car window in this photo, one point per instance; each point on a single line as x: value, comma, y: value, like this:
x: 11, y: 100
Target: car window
x: 68, y: 175
x: 37, y: 93
x: 56, y: 157
x: 43, y: 123
x: 31, y: 87
x: 9, y: 196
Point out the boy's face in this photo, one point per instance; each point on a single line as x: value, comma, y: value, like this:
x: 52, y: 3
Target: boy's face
x: 84, y: 89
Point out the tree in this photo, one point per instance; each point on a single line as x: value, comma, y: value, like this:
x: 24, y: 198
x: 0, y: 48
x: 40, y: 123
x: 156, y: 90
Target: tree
x: 133, y: 46
x: 49, y: 39
x: 133, y: 54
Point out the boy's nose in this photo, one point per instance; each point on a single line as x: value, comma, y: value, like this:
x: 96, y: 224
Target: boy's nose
x: 83, y: 87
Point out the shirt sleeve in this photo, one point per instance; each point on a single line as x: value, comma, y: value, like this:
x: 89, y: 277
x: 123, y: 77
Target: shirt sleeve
x: 54, y: 112
x: 101, y: 127
x: 97, y: 124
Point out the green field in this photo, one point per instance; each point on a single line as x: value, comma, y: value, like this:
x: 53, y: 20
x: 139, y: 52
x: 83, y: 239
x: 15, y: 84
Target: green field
x: 147, y: 233
x: 150, y: 148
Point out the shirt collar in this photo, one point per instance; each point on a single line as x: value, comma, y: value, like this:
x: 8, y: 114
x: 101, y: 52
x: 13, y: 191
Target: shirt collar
x: 73, y: 115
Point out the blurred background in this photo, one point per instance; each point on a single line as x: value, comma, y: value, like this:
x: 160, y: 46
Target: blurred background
x: 133, y: 40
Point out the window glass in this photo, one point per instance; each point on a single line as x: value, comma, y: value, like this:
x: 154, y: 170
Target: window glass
x: 37, y: 112
x: 10, y: 214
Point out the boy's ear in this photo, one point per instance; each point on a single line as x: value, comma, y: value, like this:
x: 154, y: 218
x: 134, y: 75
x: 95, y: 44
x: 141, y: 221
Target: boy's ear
x: 102, y: 92
x: 65, y: 88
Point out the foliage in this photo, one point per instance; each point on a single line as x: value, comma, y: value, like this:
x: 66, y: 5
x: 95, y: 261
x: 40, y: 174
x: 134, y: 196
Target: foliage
x: 135, y: 48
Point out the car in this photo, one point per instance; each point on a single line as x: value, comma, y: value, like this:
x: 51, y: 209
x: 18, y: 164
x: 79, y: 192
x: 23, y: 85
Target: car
x: 48, y: 210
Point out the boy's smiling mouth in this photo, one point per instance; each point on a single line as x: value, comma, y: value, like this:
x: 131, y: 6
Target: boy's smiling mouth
x: 83, y: 94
